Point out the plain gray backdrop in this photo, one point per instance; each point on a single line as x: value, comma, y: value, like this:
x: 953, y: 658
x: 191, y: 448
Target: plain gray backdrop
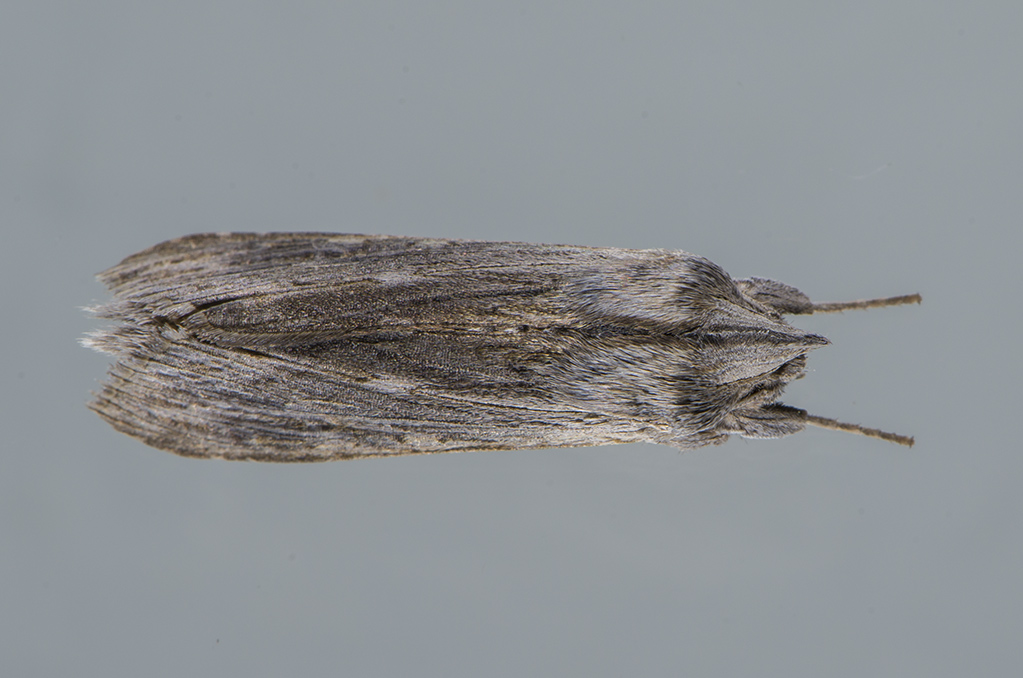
x: 851, y: 150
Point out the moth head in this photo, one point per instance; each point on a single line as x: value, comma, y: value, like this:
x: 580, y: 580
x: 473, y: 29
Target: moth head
x: 746, y: 355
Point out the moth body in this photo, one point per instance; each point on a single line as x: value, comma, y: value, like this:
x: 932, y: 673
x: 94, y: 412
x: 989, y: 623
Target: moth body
x: 308, y: 346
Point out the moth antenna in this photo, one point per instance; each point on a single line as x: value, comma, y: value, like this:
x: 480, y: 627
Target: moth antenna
x: 838, y: 306
x: 832, y: 424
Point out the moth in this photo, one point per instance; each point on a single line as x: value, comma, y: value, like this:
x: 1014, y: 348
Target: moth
x: 311, y: 346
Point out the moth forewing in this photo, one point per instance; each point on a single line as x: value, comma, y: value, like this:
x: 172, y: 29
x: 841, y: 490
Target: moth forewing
x: 307, y: 346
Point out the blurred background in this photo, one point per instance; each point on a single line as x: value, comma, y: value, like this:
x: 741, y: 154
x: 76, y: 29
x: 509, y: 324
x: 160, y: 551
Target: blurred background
x: 852, y: 151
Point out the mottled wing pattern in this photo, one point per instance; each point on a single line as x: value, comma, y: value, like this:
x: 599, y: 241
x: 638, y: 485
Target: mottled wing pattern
x: 300, y: 347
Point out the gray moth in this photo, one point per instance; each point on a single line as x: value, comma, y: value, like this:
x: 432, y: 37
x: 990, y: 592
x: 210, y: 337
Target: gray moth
x: 312, y: 346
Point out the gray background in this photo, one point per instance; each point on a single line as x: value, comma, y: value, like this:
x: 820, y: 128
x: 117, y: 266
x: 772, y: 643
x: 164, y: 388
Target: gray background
x: 852, y: 152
